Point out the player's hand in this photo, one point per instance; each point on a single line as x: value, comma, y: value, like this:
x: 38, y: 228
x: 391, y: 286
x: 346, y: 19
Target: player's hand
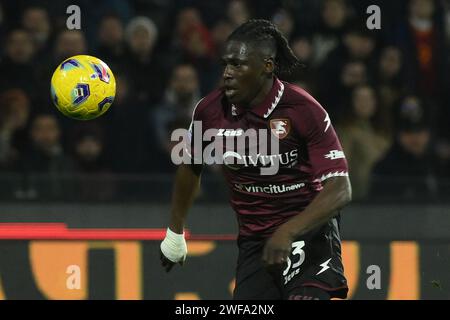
x: 173, y: 250
x: 278, y: 247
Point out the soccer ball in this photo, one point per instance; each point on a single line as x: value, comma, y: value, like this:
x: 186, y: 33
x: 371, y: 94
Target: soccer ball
x: 83, y: 87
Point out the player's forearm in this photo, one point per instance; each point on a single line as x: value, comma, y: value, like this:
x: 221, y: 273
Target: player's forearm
x: 335, y: 194
x: 186, y: 188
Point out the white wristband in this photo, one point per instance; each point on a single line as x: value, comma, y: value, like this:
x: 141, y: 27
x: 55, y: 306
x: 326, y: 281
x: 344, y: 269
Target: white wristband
x: 174, y: 246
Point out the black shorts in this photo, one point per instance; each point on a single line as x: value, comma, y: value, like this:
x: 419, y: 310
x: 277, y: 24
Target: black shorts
x: 314, y: 269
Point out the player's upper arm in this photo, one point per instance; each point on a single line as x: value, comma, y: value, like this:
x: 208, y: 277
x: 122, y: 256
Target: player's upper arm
x: 194, y: 146
x: 324, y: 149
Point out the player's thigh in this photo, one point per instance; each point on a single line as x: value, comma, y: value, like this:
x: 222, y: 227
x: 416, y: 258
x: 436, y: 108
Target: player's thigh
x: 253, y: 281
x: 257, y: 286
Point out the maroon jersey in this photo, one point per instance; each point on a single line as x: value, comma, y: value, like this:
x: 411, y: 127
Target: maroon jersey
x: 309, y: 153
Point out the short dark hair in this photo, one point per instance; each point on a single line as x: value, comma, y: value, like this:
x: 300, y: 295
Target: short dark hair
x: 263, y: 32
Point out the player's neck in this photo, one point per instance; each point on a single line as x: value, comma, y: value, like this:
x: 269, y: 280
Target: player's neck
x: 262, y: 93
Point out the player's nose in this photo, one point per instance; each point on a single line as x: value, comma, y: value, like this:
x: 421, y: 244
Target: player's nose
x: 227, y: 73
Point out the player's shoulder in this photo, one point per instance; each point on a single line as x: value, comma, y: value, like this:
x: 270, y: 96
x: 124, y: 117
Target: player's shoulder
x: 301, y: 99
x: 209, y: 103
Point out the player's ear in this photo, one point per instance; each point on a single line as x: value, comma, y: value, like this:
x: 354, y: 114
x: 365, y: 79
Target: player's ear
x: 269, y: 65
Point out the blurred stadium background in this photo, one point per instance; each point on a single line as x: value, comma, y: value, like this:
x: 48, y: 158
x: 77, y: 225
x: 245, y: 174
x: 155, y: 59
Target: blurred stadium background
x: 96, y: 194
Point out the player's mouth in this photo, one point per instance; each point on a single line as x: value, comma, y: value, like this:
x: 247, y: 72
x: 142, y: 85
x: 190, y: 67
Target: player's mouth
x: 230, y: 92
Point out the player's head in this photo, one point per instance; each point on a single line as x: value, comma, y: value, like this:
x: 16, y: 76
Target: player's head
x: 254, y: 52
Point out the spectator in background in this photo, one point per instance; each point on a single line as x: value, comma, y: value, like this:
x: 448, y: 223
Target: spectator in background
x: 353, y: 74
x: 186, y: 18
x: 390, y: 85
x: 415, y: 109
x: 421, y: 38
x: 303, y: 49
x: 197, y: 46
x: 196, y: 40
x: 14, y: 115
x: 149, y: 75
x: 130, y: 141
x: 111, y: 40
x: 69, y: 43
x: 361, y: 140
x: 351, y: 58
x: 17, y: 68
x: 95, y: 180
x: 176, y: 109
x: 409, y: 107
x: 45, y: 155
x: 220, y: 32
x: 306, y: 75
x: 285, y: 22
x: 88, y: 148
x: 92, y: 13
x: 36, y: 21
x: 334, y: 14
x: 359, y: 44
x: 407, y: 170
x: 238, y: 12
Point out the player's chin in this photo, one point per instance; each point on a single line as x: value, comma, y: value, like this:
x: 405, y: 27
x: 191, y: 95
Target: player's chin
x: 232, y: 96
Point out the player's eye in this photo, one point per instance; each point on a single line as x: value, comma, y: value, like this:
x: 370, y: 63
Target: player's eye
x: 237, y: 64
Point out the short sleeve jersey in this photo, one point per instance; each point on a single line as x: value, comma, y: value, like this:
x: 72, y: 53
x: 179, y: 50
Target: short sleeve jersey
x: 308, y: 153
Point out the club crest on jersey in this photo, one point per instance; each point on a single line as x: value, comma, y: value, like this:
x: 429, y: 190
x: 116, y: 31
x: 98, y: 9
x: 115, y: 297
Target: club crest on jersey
x: 280, y: 128
x: 233, y: 110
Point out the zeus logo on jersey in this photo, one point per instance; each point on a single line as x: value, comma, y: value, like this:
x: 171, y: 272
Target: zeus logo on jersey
x: 335, y: 154
x: 230, y: 133
x: 236, y: 148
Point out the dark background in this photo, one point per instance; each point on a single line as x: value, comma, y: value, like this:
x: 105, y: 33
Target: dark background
x: 386, y: 91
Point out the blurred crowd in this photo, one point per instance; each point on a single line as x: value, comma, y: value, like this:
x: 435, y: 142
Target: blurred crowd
x: 386, y: 90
